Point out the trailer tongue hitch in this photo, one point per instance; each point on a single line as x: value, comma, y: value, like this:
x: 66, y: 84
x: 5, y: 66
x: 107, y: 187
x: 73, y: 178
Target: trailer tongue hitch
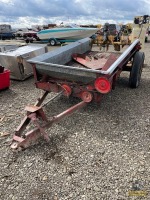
x: 36, y: 116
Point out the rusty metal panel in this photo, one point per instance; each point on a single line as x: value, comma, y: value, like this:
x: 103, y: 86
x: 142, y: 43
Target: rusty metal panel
x: 96, y: 60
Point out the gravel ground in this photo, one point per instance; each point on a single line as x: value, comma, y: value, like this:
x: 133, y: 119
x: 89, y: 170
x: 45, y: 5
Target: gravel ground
x: 97, y: 153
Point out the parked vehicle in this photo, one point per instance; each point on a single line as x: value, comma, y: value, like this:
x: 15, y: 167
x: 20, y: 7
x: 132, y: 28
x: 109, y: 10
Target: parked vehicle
x: 6, y: 32
x: 7, y: 36
x: 5, y: 28
x: 26, y: 33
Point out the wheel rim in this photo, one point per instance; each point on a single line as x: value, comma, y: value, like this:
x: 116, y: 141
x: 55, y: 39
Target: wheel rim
x: 52, y: 42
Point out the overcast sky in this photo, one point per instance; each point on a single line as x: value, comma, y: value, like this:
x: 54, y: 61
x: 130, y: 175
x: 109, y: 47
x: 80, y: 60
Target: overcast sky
x: 25, y: 13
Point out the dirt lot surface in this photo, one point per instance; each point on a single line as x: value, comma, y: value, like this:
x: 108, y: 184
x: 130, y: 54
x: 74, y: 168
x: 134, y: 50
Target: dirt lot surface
x: 100, y: 152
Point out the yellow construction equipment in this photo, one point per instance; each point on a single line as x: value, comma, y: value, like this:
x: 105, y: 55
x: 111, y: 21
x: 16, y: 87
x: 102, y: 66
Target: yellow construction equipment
x: 137, y: 31
x: 140, y: 26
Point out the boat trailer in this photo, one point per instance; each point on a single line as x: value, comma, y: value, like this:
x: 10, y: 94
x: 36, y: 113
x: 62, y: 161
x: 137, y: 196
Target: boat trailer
x: 75, y: 70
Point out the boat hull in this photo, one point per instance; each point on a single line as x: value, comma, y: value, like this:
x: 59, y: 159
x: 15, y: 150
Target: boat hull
x: 66, y: 34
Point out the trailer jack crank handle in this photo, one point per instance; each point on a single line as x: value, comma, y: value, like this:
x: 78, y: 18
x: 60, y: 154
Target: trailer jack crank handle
x: 31, y: 136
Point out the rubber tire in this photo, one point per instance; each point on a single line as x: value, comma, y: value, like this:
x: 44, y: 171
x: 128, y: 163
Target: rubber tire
x: 52, y: 42
x: 37, y: 39
x: 146, y: 39
x: 136, y: 71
